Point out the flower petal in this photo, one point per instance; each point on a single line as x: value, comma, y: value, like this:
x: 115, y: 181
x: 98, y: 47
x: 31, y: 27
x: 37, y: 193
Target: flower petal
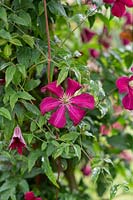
x: 72, y: 86
x: 58, y: 118
x: 53, y: 88
x: 48, y: 104
x: 122, y: 84
x: 76, y: 114
x: 108, y: 1
x: 128, y: 102
x: 118, y: 9
x: 128, y: 3
x: 84, y: 100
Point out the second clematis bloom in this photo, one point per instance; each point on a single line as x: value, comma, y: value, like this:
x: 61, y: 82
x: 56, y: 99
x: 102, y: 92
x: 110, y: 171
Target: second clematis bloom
x: 125, y: 85
x: 119, y: 6
x: 17, y: 141
x: 66, y: 101
x: 31, y: 196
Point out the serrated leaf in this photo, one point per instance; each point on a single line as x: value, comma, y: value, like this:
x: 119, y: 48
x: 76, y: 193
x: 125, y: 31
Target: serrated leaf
x: 48, y: 171
x: 5, y: 113
x: 29, y: 40
x: 25, y: 95
x: 32, y: 158
x: 9, y: 74
x: 15, y: 42
x: 62, y: 75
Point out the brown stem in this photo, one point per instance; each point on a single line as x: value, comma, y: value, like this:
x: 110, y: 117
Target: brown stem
x: 48, y: 39
x: 69, y: 173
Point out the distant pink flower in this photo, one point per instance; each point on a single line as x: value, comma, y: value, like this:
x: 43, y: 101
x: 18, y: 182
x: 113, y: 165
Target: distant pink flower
x: 126, y: 155
x: 87, y: 35
x: 86, y: 170
x: 125, y: 85
x: 66, y: 101
x: 117, y: 110
x: 17, y: 141
x: 94, y: 53
x: 129, y: 18
x: 105, y: 38
x: 119, y: 6
x: 117, y: 125
x: 104, y: 130
x: 31, y: 196
x: 125, y: 42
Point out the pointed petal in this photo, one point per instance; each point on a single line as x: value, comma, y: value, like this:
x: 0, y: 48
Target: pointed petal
x: 58, y: 118
x: 48, y: 104
x: 72, y: 86
x: 118, y: 9
x: 53, y: 88
x: 76, y: 114
x: 128, y: 102
x: 122, y: 84
x: 84, y: 100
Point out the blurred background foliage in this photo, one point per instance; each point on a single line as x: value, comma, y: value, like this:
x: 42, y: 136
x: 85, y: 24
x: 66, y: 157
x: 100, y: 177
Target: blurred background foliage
x: 52, y: 166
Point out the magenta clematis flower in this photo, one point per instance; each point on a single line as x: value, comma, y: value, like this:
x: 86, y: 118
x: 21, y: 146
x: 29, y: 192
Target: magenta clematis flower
x: 119, y: 6
x: 129, y: 18
x: 125, y: 85
x: 94, y: 53
x: 86, y: 170
x: 87, y: 35
x: 31, y: 196
x: 66, y: 101
x: 17, y: 141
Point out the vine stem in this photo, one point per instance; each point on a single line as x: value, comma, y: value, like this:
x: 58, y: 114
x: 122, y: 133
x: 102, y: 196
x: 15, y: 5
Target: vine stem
x: 48, y: 40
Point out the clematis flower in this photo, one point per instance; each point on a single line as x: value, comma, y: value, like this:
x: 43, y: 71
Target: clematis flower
x: 94, y: 53
x: 31, y: 196
x: 87, y: 35
x: 17, y: 141
x: 119, y: 6
x: 104, y: 130
x: 66, y: 101
x: 86, y: 170
x: 125, y: 85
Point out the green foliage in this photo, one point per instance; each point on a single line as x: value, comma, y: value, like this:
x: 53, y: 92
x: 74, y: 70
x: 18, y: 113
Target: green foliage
x: 53, y: 158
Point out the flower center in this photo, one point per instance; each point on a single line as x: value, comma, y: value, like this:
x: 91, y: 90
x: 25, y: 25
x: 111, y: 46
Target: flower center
x: 131, y: 84
x: 65, y: 99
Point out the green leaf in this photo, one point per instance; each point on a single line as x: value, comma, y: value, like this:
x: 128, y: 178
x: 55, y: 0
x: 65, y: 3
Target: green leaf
x: 91, y: 20
x: 77, y: 150
x: 33, y: 126
x: 113, y: 191
x: 56, y: 8
x: 5, y: 113
x: 24, y: 186
x: 22, y: 19
x: 13, y: 100
x: 31, y: 107
x: 32, y: 158
x: 9, y: 74
x: 3, y: 14
x: 95, y: 174
x: 15, y: 42
x: 43, y: 146
x: 22, y: 69
x: 29, y: 40
x: 62, y: 75
x: 7, y: 51
x: 77, y: 74
x: 72, y: 136
x: 4, y: 34
x: 31, y: 84
x: 25, y: 95
x: 3, y: 66
x: 48, y: 171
